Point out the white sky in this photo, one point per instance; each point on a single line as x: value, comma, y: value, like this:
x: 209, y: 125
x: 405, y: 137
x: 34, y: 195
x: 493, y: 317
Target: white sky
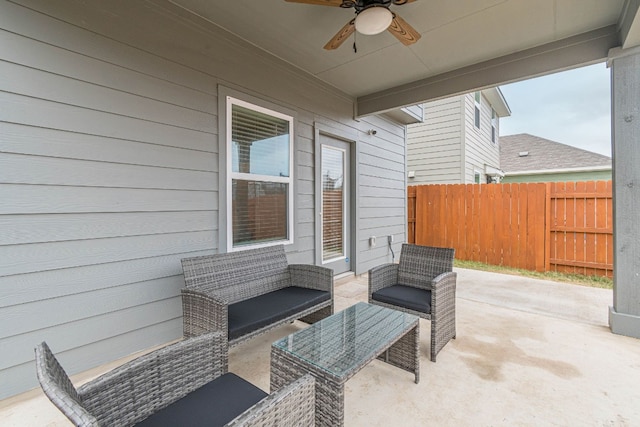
x: 572, y: 107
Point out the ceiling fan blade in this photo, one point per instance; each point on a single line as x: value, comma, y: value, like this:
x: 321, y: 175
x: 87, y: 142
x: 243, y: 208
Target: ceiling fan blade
x: 336, y: 3
x: 341, y: 35
x: 403, y: 31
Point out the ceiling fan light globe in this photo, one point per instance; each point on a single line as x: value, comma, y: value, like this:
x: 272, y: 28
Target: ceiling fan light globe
x: 373, y: 20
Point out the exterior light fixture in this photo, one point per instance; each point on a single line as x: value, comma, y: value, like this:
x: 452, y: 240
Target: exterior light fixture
x: 373, y: 20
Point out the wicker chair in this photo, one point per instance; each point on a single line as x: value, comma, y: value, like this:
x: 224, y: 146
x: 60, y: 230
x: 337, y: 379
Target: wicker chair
x: 424, y: 284
x: 169, y: 386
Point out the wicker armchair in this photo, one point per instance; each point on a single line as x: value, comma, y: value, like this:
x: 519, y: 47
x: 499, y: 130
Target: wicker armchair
x: 168, y: 387
x: 424, y: 284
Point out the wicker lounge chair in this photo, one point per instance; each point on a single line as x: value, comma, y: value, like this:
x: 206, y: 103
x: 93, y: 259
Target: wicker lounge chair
x: 183, y: 384
x: 244, y: 294
x: 424, y: 284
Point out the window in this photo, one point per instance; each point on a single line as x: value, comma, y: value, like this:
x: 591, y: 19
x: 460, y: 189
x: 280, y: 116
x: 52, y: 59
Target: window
x: 259, y: 176
x: 477, y: 110
x: 476, y: 176
x: 494, y: 125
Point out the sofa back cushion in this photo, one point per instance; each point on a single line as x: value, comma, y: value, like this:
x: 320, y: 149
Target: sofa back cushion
x: 238, y: 275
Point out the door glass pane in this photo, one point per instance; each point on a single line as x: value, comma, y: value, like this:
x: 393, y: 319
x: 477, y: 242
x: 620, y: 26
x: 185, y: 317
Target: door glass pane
x: 332, y: 203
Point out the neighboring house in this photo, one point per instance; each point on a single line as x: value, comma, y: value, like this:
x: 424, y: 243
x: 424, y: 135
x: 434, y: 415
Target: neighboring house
x: 135, y: 134
x: 529, y: 158
x: 458, y: 141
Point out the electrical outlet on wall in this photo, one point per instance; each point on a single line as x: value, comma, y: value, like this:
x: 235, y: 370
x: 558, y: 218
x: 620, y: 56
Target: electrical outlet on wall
x: 372, y: 241
x: 390, y: 238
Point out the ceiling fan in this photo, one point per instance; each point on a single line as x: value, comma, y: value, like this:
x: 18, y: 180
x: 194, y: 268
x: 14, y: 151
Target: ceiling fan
x: 372, y: 17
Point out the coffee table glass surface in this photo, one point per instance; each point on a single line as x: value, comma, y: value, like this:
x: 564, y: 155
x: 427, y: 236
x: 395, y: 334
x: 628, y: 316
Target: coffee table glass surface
x: 340, y: 343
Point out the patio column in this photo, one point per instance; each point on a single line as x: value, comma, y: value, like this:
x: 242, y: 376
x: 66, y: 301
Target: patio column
x: 624, y: 315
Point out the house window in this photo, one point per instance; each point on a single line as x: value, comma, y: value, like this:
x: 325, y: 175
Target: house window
x: 477, y: 110
x: 494, y: 125
x: 259, y: 178
x: 476, y: 176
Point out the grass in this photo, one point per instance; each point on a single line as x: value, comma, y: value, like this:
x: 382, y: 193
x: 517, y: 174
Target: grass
x: 578, y: 279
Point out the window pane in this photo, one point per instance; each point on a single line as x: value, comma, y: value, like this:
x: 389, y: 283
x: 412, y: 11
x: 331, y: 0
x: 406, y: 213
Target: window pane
x: 260, y: 212
x: 332, y: 203
x: 260, y: 143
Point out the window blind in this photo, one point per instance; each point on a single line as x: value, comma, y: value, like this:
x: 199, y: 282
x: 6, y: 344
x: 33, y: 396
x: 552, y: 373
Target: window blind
x: 332, y: 203
x: 260, y: 143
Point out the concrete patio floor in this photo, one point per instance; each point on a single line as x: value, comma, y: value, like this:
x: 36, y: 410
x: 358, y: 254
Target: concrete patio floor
x: 528, y: 352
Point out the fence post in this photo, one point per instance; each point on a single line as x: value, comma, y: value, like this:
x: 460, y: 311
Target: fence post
x: 547, y: 227
x: 411, y: 213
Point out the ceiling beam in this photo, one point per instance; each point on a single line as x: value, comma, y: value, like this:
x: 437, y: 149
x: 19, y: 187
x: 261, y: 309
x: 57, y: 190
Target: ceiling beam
x: 583, y: 49
x: 630, y: 24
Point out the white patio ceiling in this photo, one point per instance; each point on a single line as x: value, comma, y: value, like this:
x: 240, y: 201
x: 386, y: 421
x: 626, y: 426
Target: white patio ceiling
x: 497, y: 41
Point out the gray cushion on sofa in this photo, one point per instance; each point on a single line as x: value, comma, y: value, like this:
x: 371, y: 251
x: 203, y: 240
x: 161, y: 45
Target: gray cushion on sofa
x: 252, y: 314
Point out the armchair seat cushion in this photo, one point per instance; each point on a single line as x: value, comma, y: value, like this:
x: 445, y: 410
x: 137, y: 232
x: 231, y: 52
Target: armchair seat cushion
x: 405, y: 296
x: 254, y: 313
x: 214, y: 404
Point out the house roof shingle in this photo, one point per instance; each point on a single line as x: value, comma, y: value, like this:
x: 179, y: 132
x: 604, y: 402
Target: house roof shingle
x: 544, y: 154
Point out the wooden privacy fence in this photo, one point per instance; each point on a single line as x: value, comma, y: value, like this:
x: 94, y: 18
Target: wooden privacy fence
x: 563, y: 226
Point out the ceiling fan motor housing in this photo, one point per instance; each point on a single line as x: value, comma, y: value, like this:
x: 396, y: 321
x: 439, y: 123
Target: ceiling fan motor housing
x: 360, y: 5
x: 373, y: 19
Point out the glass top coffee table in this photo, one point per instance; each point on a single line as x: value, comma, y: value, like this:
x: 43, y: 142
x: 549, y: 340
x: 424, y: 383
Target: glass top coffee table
x: 337, y: 347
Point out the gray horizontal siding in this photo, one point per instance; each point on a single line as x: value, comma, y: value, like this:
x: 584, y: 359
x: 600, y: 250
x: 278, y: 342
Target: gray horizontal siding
x: 109, y: 171
x: 51, y: 114
x: 72, y: 335
x: 434, y: 148
x: 382, y: 192
x: 23, y: 229
x: 108, y: 176
x: 47, y: 142
x: 30, y: 169
x: 32, y: 199
x: 26, y: 317
x: 29, y: 258
x: 479, y: 148
x: 93, y: 354
x: 152, y: 78
x: 40, y: 84
x: 42, y: 285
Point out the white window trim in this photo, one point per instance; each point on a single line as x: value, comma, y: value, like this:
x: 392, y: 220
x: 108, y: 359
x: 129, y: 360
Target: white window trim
x: 494, y: 126
x: 477, y: 103
x: 230, y: 175
x: 476, y: 172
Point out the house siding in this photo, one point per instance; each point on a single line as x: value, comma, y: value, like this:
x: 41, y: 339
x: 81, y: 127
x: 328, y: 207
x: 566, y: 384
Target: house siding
x: 447, y: 147
x: 109, y: 171
x: 479, y: 149
x: 434, y: 147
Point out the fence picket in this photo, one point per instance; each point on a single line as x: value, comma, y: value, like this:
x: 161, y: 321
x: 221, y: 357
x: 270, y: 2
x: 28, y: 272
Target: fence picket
x: 507, y: 249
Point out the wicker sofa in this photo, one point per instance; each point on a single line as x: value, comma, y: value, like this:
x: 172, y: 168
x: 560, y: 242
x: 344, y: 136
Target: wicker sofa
x: 246, y: 293
x: 185, y: 384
